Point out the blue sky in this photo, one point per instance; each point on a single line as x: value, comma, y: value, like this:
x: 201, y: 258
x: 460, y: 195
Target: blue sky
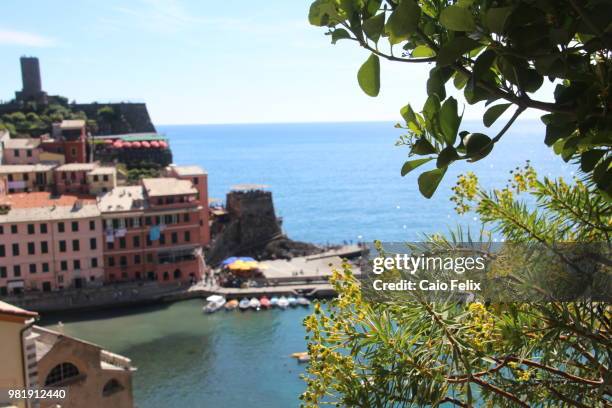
x: 199, y: 61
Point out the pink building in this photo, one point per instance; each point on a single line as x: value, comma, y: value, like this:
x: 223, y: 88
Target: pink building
x: 49, y: 243
x: 156, y: 231
x: 21, y: 151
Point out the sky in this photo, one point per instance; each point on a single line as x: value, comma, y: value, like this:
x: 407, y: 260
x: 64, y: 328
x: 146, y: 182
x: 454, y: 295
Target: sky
x: 199, y: 61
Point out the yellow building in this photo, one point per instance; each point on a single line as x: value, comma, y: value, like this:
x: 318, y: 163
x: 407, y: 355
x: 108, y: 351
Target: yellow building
x: 17, y: 352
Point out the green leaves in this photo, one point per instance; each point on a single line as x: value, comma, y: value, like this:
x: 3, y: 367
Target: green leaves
x: 323, y: 13
x: 403, y: 21
x: 429, y: 181
x: 374, y: 26
x: 493, y: 113
x: 495, y: 18
x: 339, y: 34
x: 477, y: 146
x: 413, y: 164
x: 423, y: 51
x: 457, y: 18
x: 449, y: 120
x: 422, y: 147
x: 454, y: 49
x: 369, y: 76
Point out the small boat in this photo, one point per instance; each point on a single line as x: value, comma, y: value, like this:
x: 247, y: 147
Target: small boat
x: 292, y: 301
x: 231, y: 304
x: 302, y: 357
x: 274, y: 301
x: 265, y: 302
x: 244, y: 304
x: 283, y: 303
x: 302, y: 301
x: 215, y: 302
x: 254, y: 303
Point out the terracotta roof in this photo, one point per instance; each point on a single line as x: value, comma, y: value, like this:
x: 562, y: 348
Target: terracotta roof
x: 43, y: 199
x: 7, y: 308
x: 188, y: 170
x: 23, y: 143
x: 167, y: 186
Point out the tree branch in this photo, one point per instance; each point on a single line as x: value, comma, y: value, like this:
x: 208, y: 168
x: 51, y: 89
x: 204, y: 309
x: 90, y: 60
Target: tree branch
x: 499, y: 391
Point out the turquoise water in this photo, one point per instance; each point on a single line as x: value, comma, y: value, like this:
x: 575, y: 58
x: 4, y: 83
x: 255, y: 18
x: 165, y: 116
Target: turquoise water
x: 331, y: 183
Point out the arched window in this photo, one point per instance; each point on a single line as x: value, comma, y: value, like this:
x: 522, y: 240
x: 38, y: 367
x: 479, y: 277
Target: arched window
x: 177, y: 273
x: 111, y: 387
x: 61, y: 373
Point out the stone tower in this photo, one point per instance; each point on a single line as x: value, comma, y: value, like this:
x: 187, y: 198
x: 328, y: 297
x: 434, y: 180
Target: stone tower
x: 32, y: 83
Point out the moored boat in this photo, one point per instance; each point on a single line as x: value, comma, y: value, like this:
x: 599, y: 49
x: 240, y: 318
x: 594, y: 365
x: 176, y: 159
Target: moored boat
x: 302, y: 301
x: 231, y: 304
x: 215, y: 302
x: 292, y: 301
x: 283, y: 303
x: 254, y: 303
x: 265, y: 302
x: 244, y: 304
x: 274, y: 301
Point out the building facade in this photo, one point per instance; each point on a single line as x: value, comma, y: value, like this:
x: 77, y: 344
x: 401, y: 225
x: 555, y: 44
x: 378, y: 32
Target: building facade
x: 156, y: 231
x: 49, y: 243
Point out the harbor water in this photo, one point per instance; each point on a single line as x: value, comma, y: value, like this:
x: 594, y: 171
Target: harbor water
x: 331, y: 183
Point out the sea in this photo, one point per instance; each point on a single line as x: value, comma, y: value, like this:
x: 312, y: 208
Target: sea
x: 332, y: 183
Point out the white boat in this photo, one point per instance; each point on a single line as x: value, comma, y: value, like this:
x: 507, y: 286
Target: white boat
x: 274, y: 301
x: 244, y: 304
x: 283, y: 302
x: 254, y: 303
x: 302, y: 301
x: 292, y: 301
x: 215, y: 302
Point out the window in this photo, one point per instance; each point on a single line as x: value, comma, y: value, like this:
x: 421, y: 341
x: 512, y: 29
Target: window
x: 29, y: 153
x: 123, y: 261
x: 162, y: 239
x: 93, y: 243
x: 111, y: 387
x: 32, y: 268
x: 148, y: 221
x: 61, y: 227
x: 96, y: 178
x: 2, y: 251
x: 10, y: 177
x: 149, y: 242
x: 17, y: 271
x: 137, y: 259
x: 94, y: 262
x: 60, y: 278
x: 43, y: 228
x: 61, y: 373
x: 111, y: 261
x: 76, y: 246
x: 26, y: 177
x: 15, y: 249
x: 177, y: 273
x: 195, y: 181
x: 186, y: 217
x: 187, y: 236
x: 64, y: 265
x: 13, y: 229
x: 3, y: 291
x: 160, y: 201
x: 62, y: 246
x: 122, y: 243
x: 2, y: 271
x: 31, y: 249
x: 76, y: 264
x: 1, y: 229
x: 75, y: 226
x: 92, y: 225
x: 110, y: 245
x: 105, y: 177
x: 174, y: 238
x: 45, y: 267
x: 136, y: 241
x: 150, y: 258
x: 44, y: 247
x: 16, y: 152
x: 31, y: 229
